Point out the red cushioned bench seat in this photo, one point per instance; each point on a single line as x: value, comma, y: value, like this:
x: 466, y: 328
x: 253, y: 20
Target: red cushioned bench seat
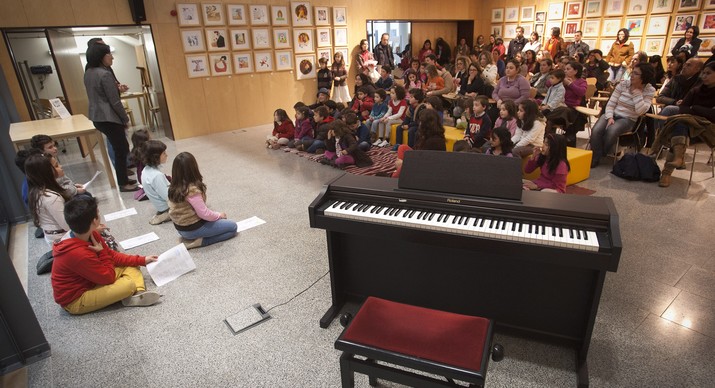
x: 446, y: 344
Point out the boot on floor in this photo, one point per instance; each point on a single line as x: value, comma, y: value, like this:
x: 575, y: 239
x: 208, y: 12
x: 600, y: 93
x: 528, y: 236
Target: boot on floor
x: 678, y: 144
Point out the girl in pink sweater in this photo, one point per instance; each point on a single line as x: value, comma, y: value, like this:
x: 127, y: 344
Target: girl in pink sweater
x: 554, y: 165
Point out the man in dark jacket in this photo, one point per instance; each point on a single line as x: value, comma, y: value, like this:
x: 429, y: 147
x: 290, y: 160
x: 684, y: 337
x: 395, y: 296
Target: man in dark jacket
x: 678, y: 87
x: 383, y: 51
x: 517, y: 44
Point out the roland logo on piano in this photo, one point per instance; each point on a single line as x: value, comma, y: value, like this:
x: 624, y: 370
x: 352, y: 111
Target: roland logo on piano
x: 452, y: 200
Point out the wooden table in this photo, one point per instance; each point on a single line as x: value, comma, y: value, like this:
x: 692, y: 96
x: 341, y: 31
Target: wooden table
x: 141, y: 101
x: 75, y: 126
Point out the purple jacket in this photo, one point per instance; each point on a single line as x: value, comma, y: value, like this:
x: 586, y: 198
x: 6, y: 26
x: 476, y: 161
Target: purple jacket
x: 303, y: 128
x: 575, y: 92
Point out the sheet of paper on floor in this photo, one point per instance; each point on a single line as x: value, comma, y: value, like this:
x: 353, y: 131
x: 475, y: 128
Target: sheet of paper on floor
x: 170, y: 265
x: 120, y: 214
x: 249, y: 223
x: 92, y: 180
x: 139, y: 240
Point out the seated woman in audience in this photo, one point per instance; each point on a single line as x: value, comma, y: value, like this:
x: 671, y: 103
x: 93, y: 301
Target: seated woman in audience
x: 154, y: 182
x: 507, y: 117
x: 198, y: 225
x: 460, y: 74
x: 675, y: 66
x: 532, y: 67
x: 479, y: 45
x: 538, y: 80
x: 434, y: 80
x: 597, y: 68
x: 363, y: 56
x: 488, y: 69
x: 530, y: 129
x: 425, y: 50
x: 443, y: 52
x: 554, y: 164
x: 523, y: 68
x: 689, y: 44
x: 638, y: 57
x: 534, y: 44
x: 628, y: 101
x: 657, y: 62
x: 512, y: 86
x: 489, y: 47
x: 45, y: 196
x: 500, y: 143
x: 544, y: 54
x: 620, y: 55
x: 283, y: 130
x: 554, y: 45
x: 498, y: 62
x: 344, y: 150
x: 473, y: 84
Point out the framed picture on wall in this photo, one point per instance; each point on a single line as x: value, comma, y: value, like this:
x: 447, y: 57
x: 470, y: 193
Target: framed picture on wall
x: 673, y: 42
x: 591, y: 27
x: 511, y: 14
x: 637, y: 7
x: 237, y: 15
x: 301, y: 13
x: 539, y: 29
x: 323, y: 37
x: 243, y: 63
x: 570, y: 27
x: 341, y: 36
x: 497, y: 15
x: 279, y: 15
x: 556, y: 11
x: 605, y: 45
x: 220, y: 64
x: 610, y: 28
x: 590, y: 42
x: 707, y: 23
x: 212, y: 14
x: 340, y: 16
x: 509, y: 31
x: 306, y: 66
x: 284, y: 60
x: 662, y: 6
x: 574, y: 9
x: 240, y: 39
x: 496, y: 30
x: 549, y: 25
x: 527, y: 14
x: 683, y: 22
x: 594, y: 8
x: 658, y: 25
x: 706, y: 46
x: 615, y: 7
x: 263, y: 60
x: 322, y: 16
x: 259, y: 15
x: 635, y: 26
x: 688, y: 5
x: 303, y: 40
x: 540, y: 17
x: 261, y: 38
x: 325, y: 53
x: 636, y: 43
x: 193, y: 40
x: 188, y: 15
x: 281, y: 38
x: 528, y: 29
x: 216, y: 39
x: 709, y: 4
x: 654, y: 46
x: 197, y: 65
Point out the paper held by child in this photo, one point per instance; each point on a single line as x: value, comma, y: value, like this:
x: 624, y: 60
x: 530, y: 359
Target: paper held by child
x: 249, y: 223
x: 139, y: 240
x: 120, y: 214
x: 170, y: 265
x: 92, y: 180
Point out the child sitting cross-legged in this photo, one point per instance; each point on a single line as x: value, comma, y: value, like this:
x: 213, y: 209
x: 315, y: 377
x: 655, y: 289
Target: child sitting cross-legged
x: 303, y: 129
x: 322, y: 119
x: 500, y: 143
x: 283, y: 130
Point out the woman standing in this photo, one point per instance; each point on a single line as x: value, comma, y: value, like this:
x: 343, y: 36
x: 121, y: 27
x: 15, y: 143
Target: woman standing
x: 363, y: 56
x: 690, y: 44
x: 555, y: 43
x: 620, y: 54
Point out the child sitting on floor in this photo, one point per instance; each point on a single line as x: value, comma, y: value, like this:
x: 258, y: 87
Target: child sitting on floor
x: 283, y: 130
x: 479, y: 128
x: 346, y: 150
x: 322, y: 119
x: 554, y: 164
x: 45, y: 144
x: 500, y: 143
x: 363, y: 103
x: 359, y: 130
x: 303, y: 129
x: 507, y: 116
x: 154, y: 182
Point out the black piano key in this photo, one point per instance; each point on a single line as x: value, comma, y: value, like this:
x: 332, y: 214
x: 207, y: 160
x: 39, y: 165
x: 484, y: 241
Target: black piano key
x: 577, y: 233
x: 476, y: 221
x: 561, y: 232
x: 431, y: 216
x: 491, y: 223
x: 570, y: 233
x: 530, y: 228
x: 553, y: 231
x: 585, y: 235
x: 513, y: 226
x: 465, y: 221
x: 502, y: 225
x: 519, y: 228
x: 335, y: 204
x: 481, y: 222
x: 454, y: 220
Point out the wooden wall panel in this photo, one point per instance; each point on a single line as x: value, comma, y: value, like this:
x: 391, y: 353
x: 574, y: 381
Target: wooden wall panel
x: 50, y: 13
x: 95, y: 12
x: 432, y: 30
x: 12, y: 14
x: 220, y: 96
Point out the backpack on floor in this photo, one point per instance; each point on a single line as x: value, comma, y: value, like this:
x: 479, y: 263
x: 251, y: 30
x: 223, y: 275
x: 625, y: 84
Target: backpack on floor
x: 637, y: 167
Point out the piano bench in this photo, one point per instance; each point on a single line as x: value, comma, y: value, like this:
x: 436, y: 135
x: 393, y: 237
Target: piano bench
x: 436, y: 342
x: 451, y: 135
x: 579, y: 160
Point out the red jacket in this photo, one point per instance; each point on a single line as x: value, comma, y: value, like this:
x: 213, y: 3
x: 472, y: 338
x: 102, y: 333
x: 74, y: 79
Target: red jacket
x: 77, y: 268
x: 284, y: 131
x: 360, y: 106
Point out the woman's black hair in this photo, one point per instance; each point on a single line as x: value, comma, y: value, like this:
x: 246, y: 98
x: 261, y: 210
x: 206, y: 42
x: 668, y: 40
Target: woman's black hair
x: 425, y: 42
x: 647, y: 72
x: 696, y: 31
x: 40, y: 178
x: 576, y: 66
x: 626, y: 35
x: 504, y: 137
x: 531, y: 114
x: 557, y: 153
x: 95, y: 54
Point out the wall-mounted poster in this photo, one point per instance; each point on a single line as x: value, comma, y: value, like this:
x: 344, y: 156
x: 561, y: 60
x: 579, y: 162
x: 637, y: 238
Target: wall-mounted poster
x: 322, y: 16
x: 511, y: 14
x: 654, y: 46
x: 709, y: 4
x: 303, y: 40
x: 509, y: 31
x: 540, y: 17
x: 301, y: 13
x: 497, y: 15
x: 707, y: 23
x: 658, y: 25
x: 570, y: 27
x: 216, y: 39
x: 574, y: 9
x: 615, y: 7
x: 284, y: 60
x: 591, y: 43
x: 662, y: 6
x: 243, y: 63
x: 556, y: 11
x: 497, y: 30
x: 340, y: 16
x: 212, y: 14
x: 635, y: 26
x: 193, y: 40
x: 263, y: 60
x: 261, y: 38
x: 591, y: 27
x: 341, y: 36
x: 197, y: 66
x: 636, y: 43
x: 237, y: 15
x: 528, y: 29
x: 279, y: 15
x: 323, y: 37
x: 306, y: 66
x: 706, y: 46
x: 240, y: 39
x: 220, y: 64
x: 688, y: 5
x: 325, y: 53
x: 683, y: 22
x: 188, y: 15
x: 527, y: 14
x: 610, y: 28
x: 259, y: 15
x: 539, y: 29
x: 594, y: 8
x: 281, y: 38
x: 637, y: 7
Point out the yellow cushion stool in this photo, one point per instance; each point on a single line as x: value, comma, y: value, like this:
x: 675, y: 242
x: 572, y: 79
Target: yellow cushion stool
x: 580, y: 161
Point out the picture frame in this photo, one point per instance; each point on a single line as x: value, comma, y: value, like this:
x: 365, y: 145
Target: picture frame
x: 511, y: 14
x: 637, y: 7
x: 610, y: 27
x: 341, y: 36
x: 635, y: 26
x: 709, y: 4
x: 240, y: 39
x: 654, y: 46
x: 220, y: 64
x: 242, y: 63
x: 605, y: 45
x: 305, y: 65
x: 237, y: 15
x: 322, y: 16
x: 706, y: 46
x: 591, y: 27
x: 258, y: 14
x: 497, y: 15
x: 325, y: 53
x: 497, y: 30
x: 216, y: 39
x: 193, y: 40
x: 301, y: 13
x: 279, y: 15
x: 658, y: 25
x: 528, y: 29
x: 261, y: 38
x: 303, y: 40
x: 263, y: 61
x: 539, y: 29
x: 556, y: 11
x: 322, y: 37
x: 281, y: 38
x: 540, y: 17
x: 662, y: 6
x: 688, y: 5
x: 574, y: 9
x: 212, y: 13
x: 188, y: 14
x: 636, y: 43
x: 593, y: 8
x: 197, y: 65
x: 509, y: 32
x: 707, y: 23
x: 570, y: 28
x: 527, y: 14
x: 549, y: 25
x: 284, y: 60
x: 340, y: 16
x: 683, y: 22
x: 615, y: 7
x: 673, y: 42
x: 590, y: 42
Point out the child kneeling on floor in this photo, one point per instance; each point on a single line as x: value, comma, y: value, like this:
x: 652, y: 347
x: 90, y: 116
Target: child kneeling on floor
x: 86, y: 274
x: 154, y: 182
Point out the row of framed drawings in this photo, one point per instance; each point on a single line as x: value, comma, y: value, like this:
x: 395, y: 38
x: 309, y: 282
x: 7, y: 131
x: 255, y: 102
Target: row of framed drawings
x: 301, y: 15
x: 596, y: 8
x: 226, y: 63
x: 303, y: 40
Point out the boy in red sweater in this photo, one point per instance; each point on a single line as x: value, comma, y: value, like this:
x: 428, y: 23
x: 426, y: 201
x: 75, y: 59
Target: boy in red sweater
x: 86, y: 274
x: 363, y: 103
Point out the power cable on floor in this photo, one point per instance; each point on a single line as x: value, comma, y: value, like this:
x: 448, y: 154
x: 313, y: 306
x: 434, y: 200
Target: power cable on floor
x: 298, y: 294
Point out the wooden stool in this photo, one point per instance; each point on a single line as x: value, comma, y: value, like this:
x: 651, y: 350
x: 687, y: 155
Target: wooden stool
x: 440, y: 343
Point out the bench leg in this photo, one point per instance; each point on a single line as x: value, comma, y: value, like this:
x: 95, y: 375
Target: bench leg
x: 347, y: 375
x: 372, y: 379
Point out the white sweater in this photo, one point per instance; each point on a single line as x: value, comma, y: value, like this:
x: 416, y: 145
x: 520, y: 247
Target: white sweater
x: 52, y: 215
x: 535, y: 136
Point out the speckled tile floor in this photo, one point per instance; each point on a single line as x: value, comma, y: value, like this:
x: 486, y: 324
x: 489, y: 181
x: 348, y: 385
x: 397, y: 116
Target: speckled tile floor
x: 655, y: 327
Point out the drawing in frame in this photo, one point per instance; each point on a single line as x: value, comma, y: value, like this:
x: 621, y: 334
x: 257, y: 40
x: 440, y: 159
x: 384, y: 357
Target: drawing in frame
x: 497, y: 15
x: 707, y: 23
x: 590, y: 42
x: 615, y: 7
x: 570, y: 27
x: 303, y: 40
x: 637, y: 7
x: 197, y: 65
x: 212, y: 14
x: 323, y: 37
x: 261, y: 38
x: 662, y: 6
x: 325, y: 53
x: 591, y: 27
x: 240, y: 39
x: 305, y: 64
x: 654, y: 46
x: 322, y: 16
x: 188, y: 14
x: 539, y: 29
x: 216, y: 39
x: 220, y: 64
x: 540, y: 17
x: 606, y: 45
x: 237, y: 15
x: 610, y: 27
x: 243, y: 63
x: 709, y: 4
x: 688, y: 5
x: 279, y: 15
x: 673, y: 42
x: 683, y: 22
x: 511, y: 14
x: 556, y: 11
x: 706, y: 46
x: 528, y: 28
x: 594, y: 8
x: 635, y: 26
x: 259, y: 15
x: 193, y: 40
x: 301, y: 13
x: 281, y: 38
x: 341, y: 36
x: 636, y: 43
x: 574, y: 9
x: 549, y: 26
x: 284, y: 60
x: 340, y: 16
x: 497, y: 30
x: 527, y: 14
x: 658, y: 25
x: 263, y: 61
x: 509, y: 31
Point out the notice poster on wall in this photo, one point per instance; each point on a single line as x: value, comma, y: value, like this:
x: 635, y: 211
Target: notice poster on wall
x: 59, y: 109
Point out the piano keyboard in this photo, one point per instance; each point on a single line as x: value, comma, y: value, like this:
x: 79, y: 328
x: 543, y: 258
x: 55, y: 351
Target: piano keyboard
x: 491, y: 227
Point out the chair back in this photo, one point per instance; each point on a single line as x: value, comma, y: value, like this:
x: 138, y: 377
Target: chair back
x: 591, y: 81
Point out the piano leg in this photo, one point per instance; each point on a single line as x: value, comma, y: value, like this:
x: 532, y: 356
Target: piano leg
x: 582, y: 371
x: 329, y: 316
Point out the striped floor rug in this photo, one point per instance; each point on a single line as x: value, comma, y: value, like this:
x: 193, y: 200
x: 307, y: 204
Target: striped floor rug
x: 383, y: 161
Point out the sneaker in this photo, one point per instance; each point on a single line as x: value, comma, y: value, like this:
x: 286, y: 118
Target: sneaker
x: 160, y: 218
x: 191, y: 244
x: 384, y: 143
x: 143, y: 298
x: 275, y: 146
x: 377, y: 142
